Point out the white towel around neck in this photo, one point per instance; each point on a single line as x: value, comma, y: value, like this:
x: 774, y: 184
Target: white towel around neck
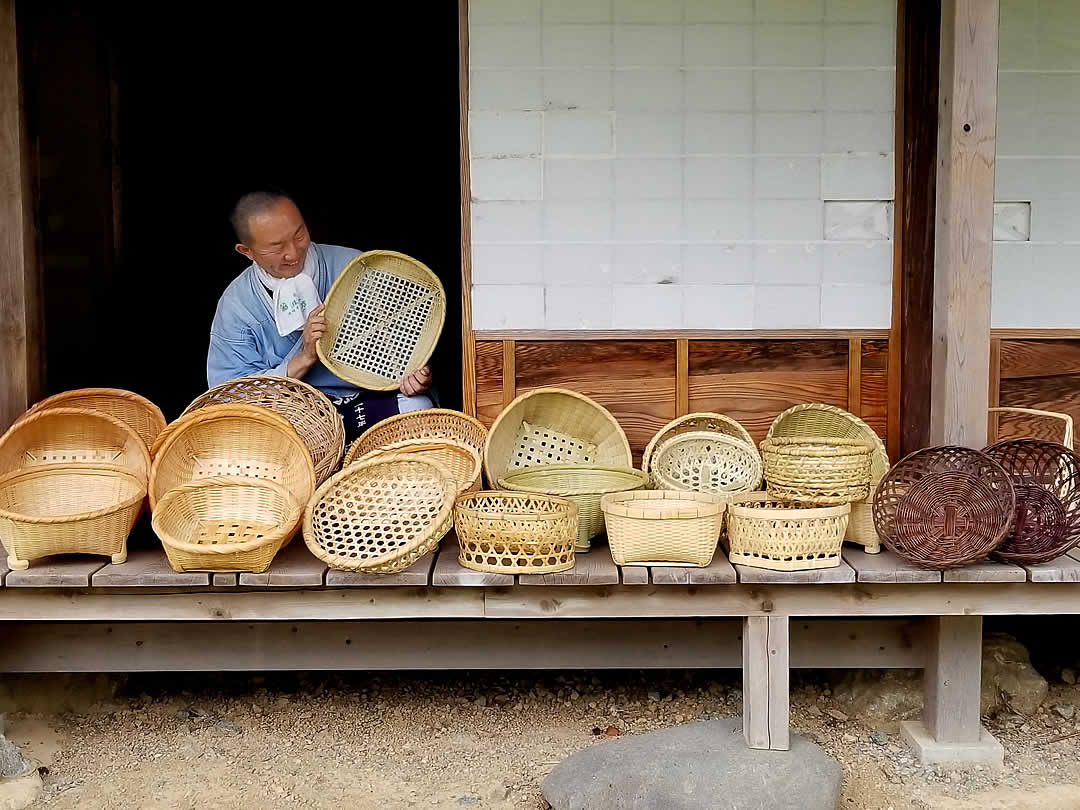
x: 292, y: 299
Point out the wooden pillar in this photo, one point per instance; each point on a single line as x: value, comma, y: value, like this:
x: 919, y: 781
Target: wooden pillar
x: 20, y: 315
x: 967, y: 132
x: 468, y: 339
x: 765, y: 667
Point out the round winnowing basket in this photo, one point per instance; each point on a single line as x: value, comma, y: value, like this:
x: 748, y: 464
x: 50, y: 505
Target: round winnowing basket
x: 461, y: 460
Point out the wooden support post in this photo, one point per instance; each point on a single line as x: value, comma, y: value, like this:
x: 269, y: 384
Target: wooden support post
x: 468, y: 339
x: 951, y: 731
x: 766, y: 652
x: 20, y: 302
x: 967, y: 133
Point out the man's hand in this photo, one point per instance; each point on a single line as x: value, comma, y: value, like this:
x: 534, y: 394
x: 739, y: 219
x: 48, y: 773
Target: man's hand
x: 416, y: 383
x: 314, y: 329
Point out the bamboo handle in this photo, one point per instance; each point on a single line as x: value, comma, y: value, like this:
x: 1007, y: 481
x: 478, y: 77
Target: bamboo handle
x: 1067, y: 440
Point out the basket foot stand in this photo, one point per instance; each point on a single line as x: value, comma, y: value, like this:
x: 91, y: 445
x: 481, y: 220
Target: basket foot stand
x: 951, y: 731
x: 766, y: 700
x: 119, y: 557
x: 15, y: 564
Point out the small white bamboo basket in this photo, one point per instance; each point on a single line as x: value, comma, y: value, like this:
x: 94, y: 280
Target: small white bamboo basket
x: 658, y: 527
x: 784, y: 535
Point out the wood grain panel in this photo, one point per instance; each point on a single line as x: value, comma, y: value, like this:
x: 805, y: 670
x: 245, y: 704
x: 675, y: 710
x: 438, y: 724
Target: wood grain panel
x: 635, y: 380
x: 874, y: 403
x: 754, y: 380
x: 1041, y: 374
x: 489, y: 387
x: 1039, y: 358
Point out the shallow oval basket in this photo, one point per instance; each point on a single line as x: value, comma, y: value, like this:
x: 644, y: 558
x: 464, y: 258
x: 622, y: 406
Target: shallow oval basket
x: 713, y: 463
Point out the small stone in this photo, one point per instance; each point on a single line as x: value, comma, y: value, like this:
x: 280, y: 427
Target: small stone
x: 227, y: 729
x: 849, y: 738
x: 468, y: 801
x: 836, y: 714
x: 878, y: 737
x: 1068, y: 675
x: 1065, y: 710
x: 815, y: 711
x: 654, y: 697
x: 12, y: 762
x: 183, y: 715
x: 574, y: 695
x: 480, y: 701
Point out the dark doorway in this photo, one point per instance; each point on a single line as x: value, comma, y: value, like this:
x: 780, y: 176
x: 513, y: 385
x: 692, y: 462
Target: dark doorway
x: 149, y: 125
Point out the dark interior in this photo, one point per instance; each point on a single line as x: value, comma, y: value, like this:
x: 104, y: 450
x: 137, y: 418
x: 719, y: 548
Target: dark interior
x: 148, y: 126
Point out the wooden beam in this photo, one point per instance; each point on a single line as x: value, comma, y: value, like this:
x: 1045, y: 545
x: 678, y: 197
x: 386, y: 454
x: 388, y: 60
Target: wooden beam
x: 766, y: 653
x: 468, y: 338
x: 682, y: 377
x: 953, y: 678
x: 528, y: 335
x: 993, y: 420
x: 965, y: 221
x: 509, y: 372
x: 20, y: 298
x: 854, y: 386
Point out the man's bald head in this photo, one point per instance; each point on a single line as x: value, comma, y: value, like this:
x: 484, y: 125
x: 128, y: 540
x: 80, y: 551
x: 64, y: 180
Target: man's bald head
x: 271, y: 232
x: 254, y: 204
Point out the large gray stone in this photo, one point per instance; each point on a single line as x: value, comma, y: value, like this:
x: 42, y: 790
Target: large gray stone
x: 694, y: 767
x: 1009, y: 677
x: 12, y: 762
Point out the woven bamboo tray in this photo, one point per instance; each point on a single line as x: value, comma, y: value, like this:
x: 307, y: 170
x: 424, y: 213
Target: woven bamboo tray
x: 381, y: 516
x: 310, y: 412
x: 819, y: 420
x: 714, y: 463
x: 515, y: 533
x: 704, y: 422
x: 433, y: 424
x: 226, y: 524
x: 656, y: 527
x: 384, y: 313
x: 233, y: 441
x: 944, y: 507
x: 584, y: 485
x: 59, y: 435
x: 134, y: 410
x: 822, y: 471
x: 784, y: 535
x: 461, y: 460
x: 68, y: 509
x: 554, y: 426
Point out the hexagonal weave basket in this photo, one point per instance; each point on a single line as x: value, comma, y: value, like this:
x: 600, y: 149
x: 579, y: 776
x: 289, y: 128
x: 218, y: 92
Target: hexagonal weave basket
x: 515, y: 533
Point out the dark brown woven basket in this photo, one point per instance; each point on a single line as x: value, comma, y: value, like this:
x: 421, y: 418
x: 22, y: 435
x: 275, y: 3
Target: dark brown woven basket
x: 944, y: 507
x: 1046, y: 521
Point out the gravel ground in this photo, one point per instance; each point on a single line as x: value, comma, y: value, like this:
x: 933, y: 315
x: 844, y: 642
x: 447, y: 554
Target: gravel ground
x: 483, y: 741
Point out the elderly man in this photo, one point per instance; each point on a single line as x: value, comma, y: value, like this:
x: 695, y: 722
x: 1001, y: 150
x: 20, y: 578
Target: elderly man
x: 271, y: 315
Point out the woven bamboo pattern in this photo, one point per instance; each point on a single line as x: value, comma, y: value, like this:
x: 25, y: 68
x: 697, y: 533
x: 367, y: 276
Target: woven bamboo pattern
x: 310, y: 412
x: 60, y: 435
x: 384, y: 313
x: 226, y: 524
x: 944, y: 507
x: 433, y: 424
x: 134, y: 410
x: 233, y: 441
x: 1046, y: 520
x: 819, y: 470
x: 762, y: 532
x: 655, y: 527
x: 512, y: 533
x: 381, y: 516
x: 68, y: 509
x: 704, y: 422
x: 714, y: 463
x: 554, y: 426
x: 819, y: 420
x: 584, y: 485
x: 461, y: 460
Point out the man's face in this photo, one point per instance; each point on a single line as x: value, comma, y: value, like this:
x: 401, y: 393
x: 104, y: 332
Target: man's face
x: 278, y: 240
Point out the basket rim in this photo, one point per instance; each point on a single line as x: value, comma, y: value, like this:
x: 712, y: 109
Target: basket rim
x: 820, y: 446
x: 49, y: 402
x: 370, y: 381
x: 661, y: 436
x: 807, y: 512
x: 295, y: 508
x: 241, y: 408
x: 564, y: 505
x: 117, y: 470
x: 408, y: 446
x: 423, y: 412
x: 621, y: 504
x: 508, y: 480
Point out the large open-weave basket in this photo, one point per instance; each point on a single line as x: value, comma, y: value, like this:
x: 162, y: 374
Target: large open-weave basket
x: 944, y: 507
x: 310, y: 412
x: 699, y: 461
x: 762, y: 532
x: 817, y: 470
x: 554, y: 426
x: 515, y: 532
x: 462, y: 460
x: 384, y: 315
x: 134, y: 410
x: 233, y: 441
x: 73, y: 436
x: 704, y: 422
x: 226, y: 524
x: 433, y: 424
x: 68, y: 509
x: 381, y: 516
x: 582, y: 484
x: 814, y: 420
x: 657, y: 527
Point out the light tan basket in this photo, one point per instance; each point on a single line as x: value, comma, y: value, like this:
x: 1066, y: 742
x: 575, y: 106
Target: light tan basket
x: 714, y: 463
x: 233, y: 441
x: 554, y: 426
x: 704, y: 422
x: 226, y: 524
x: 134, y: 410
x: 656, y: 527
x: 73, y: 436
x: 784, y: 535
x: 68, y: 509
x: 461, y: 460
x: 515, y: 533
x: 433, y: 424
x: 310, y: 412
x: 817, y: 470
x: 381, y: 516
x: 819, y: 420
x: 584, y: 485
x: 384, y: 314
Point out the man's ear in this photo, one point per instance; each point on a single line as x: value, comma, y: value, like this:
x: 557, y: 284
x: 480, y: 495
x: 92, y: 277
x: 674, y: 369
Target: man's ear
x: 244, y: 250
